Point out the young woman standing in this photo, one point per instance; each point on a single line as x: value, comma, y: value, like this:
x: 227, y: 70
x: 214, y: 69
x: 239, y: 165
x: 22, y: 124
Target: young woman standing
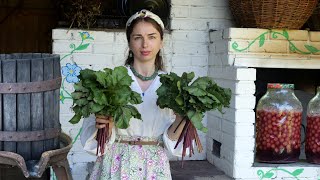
x: 138, y: 152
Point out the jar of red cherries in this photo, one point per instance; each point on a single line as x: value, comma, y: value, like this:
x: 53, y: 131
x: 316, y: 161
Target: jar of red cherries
x: 278, y: 121
x: 312, y: 147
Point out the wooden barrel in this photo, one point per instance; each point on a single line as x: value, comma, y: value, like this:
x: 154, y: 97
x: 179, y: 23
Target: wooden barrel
x: 29, y: 103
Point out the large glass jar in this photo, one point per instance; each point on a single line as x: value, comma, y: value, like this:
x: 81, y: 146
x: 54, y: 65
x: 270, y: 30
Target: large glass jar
x: 312, y: 147
x: 278, y: 121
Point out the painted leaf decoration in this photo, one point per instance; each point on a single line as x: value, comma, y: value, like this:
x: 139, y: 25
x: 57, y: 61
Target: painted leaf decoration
x: 261, y: 40
x: 268, y: 175
x: 297, y: 172
x: 82, y: 47
x: 285, y: 34
x: 292, y: 48
x: 311, y: 48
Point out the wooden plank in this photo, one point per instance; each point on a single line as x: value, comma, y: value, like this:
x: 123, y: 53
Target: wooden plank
x: 37, y: 106
x: 48, y: 100
x: 23, y: 110
x: 2, y: 57
x: 9, y: 102
x: 56, y: 98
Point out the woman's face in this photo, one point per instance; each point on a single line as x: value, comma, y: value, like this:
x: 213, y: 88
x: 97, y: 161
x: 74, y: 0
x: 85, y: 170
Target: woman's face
x: 145, y: 42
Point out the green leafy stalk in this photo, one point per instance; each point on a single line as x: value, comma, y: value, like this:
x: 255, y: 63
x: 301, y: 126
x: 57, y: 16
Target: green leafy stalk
x: 191, y: 100
x: 105, y: 93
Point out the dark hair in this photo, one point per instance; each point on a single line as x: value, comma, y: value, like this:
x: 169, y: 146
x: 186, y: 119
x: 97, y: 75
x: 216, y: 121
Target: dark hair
x: 158, y: 61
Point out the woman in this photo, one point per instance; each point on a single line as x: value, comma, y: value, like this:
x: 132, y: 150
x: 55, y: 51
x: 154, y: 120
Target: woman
x: 138, y: 152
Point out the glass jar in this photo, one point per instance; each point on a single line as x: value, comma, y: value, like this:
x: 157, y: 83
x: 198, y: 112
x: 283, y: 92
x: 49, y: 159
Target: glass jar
x: 312, y: 147
x: 278, y: 120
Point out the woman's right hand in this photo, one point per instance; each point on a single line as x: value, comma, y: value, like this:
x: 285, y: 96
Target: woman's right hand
x: 102, y: 121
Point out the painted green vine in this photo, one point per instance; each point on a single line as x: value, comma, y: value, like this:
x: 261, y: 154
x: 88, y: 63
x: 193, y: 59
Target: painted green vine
x: 269, y: 174
x: 309, y: 49
x: 71, y: 71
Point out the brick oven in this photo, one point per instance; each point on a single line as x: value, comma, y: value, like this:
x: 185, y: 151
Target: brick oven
x: 245, y: 60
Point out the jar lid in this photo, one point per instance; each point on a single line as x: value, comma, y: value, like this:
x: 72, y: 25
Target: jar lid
x: 280, y: 86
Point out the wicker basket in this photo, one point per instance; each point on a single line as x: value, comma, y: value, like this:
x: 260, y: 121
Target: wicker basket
x: 313, y: 22
x: 291, y: 14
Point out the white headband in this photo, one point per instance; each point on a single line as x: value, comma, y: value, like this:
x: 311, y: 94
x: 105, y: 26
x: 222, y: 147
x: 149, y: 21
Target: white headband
x: 143, y: 14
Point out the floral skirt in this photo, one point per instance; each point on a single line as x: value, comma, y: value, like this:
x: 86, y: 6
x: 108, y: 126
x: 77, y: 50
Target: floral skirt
x: 132, y: 162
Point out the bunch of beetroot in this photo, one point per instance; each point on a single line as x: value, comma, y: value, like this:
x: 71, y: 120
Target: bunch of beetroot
x: 106, y: 93
x: 191, y: 101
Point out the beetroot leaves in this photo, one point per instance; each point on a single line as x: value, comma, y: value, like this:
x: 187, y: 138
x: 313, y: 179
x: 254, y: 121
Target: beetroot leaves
x: 106, y: 93
x: 191, y: 101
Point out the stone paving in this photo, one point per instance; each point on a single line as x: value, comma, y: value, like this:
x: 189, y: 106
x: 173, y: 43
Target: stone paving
x: 196, y: 170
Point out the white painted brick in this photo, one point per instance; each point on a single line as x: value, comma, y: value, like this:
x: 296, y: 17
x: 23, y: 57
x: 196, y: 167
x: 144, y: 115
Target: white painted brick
x: 215, y: 134
x: 102, y: 36
x: 59, y: 46
x: 64, y: 34
x: 234, y: 115
x: 216, y: 35
x: 246, y: 74
x: 81, y: 59
x: 244, y: 130
x: 214, y: 60
x: 244, y: 172
x: 179, y: 11
x: 60, y: 34
x: 214, y: 122
x: 190, y: 48
x: 245, y: 159
x: 103, y: 48
x: 228, y: 128
x: 243, y: 101
x: 227, y: 154
x: 233, y: 73
x: 180, y: 70
x: 221, y: 46
x: 120, y: 38
x: 199, y: 71
x: 181, y: 60
x: 210, y: 12
x: 240, y: 144
x: 238, y: 87
x: 199, y: 60
x: 190, y: 36
x: 119, y: 59
x: 120, y: 48
x: 217, y: 24
x: 189, y: 24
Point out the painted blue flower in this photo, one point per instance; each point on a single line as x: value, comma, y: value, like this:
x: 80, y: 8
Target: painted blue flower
x: 71, y: 71
x: 85, y: 35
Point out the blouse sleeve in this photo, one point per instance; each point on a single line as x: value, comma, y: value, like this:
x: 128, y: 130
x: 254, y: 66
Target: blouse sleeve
x: 170, y: 144
x: 89, y: 133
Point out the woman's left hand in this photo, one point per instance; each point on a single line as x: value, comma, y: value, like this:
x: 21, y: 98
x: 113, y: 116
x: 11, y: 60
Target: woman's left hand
x: 176, y: 128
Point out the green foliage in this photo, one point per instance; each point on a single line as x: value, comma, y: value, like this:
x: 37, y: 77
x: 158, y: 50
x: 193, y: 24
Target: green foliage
x: 191, y: 99
x: 106, y: 93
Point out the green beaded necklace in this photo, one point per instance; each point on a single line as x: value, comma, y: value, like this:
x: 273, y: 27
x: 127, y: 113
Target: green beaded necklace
x: 144, y: 78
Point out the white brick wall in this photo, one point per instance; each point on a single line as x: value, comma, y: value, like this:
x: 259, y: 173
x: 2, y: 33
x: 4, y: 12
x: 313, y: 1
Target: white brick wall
x: 235, y: 128
x: 186, y: 49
